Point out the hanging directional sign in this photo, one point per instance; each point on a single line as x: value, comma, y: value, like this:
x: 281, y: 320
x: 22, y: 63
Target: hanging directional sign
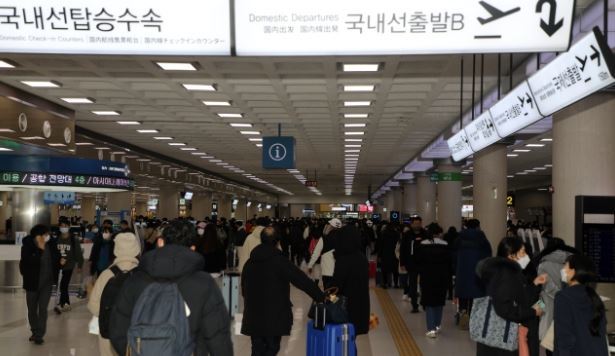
x: 64, y: 198
x: 279, y: 152
x: 459, y: 145
x: 481, y: 132
x: 515, y: 111
x: 350, y: 27
x: 586, y: 68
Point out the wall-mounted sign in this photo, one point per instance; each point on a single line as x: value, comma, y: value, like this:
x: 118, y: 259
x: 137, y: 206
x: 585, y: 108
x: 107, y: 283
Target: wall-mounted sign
x: 63, y: 198
x: 510, y: 199
x: 279, y: 152
x: 64, y: 179
x: 348, y: 27
x: 395, y: 216
x: 116, y: 27
x: 515, y: 111
x: 481, y: 132
x: 586, y: 68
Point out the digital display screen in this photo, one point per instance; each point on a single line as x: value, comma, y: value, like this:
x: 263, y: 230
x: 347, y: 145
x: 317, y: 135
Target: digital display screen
x: 599, y: 245
x: 74, y: 180
x: 188, y: 195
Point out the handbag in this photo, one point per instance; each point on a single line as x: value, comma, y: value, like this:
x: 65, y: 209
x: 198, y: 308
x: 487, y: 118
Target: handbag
x: 487, y: 328
x: 548, y: 341
x: 333, y: 311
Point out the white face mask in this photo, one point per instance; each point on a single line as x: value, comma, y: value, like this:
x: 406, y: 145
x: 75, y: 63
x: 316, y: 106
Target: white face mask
x: 564, y: 275
x: 106, y: 235
x: 64, y: 230
x: 524, y: 261
x: 200, y: 231
x: 46, y: 238
x: 95, y: 231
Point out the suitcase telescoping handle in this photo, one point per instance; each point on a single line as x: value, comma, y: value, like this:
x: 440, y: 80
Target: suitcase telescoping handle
x: 345, y: 340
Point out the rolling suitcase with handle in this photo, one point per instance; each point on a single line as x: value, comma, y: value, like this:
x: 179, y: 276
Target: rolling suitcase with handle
x: 334, y: 340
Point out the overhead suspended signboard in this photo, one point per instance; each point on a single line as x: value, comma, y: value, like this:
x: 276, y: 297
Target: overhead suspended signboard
x: 587, y: 67
x: 135, y: 27
x: 350, y: 27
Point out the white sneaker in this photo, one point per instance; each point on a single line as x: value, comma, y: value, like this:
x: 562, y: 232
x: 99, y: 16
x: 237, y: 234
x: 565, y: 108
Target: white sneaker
x: 438, y: 329
x: 431, y: 334
x: 405, y: 298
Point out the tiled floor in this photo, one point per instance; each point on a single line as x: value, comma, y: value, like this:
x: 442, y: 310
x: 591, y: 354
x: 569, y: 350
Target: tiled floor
x: 67, y: 333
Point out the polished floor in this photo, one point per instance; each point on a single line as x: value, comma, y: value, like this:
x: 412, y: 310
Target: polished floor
x: 67, y: 333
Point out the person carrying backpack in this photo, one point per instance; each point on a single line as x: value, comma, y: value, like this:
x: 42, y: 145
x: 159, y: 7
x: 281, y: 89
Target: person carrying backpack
x: 108, y: 285
x: 170, y: 306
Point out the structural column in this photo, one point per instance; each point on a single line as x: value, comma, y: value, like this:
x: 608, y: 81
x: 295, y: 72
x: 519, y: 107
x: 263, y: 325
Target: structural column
x: 490, y: 189
x: 449, y: 195
x: 426, y: 199
x: 410, y: 198
x: 88, y: 209
x: 29, y: 209
x: 119, y: 201
x: 398, y: 201
x: 201, y: 205
x: 168, y: 203
x: 5, y: 213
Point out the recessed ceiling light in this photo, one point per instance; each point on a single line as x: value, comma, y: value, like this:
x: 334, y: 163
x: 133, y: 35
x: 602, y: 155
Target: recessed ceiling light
x: 250, y: 132
x: 56, y: 144
x: 357, y: 103
x: 215, y: 160
x: 78, y: 100
x: 7, y: 130
x: 42, y: 83
x: 353, y: 140
x: 352, y: 146
x: 543, y: 189
x: 222, y: 164
x: 535, y: 145
x: 232, y: 115
x: 546, y: 140
x: 351, y: 155
x: 106, y: 113
x: 176, y: 66
x: 199, y: 153
x: 6, y: 64
x: 188, y: 149
x: 359, y: 87
x: 512, y: 155
x: 355, y: 125
x: 83, y: 144
x: 129, y: 122
x: 239, y: 124
x: 102, y: 148
x: 259, y: 145
x: 163, y: 138
x: 199, y: 87
x: 177, y: 144
x: 522, y: 150
x: 148, y: 131
x: 352, y: 158
x: 143, y: 160
x: 540, y: 168
x: 548, y: 165
x: 254, y: 139
x: 354, y: 133
x: 208, y: 157
x: 118, y: 153
x: 217, y: 103
x: 356, y: 116
x: 32, y: 138
x: 530, y: 171
x: 3, y: 149
x: 510, y: 176
x: 361, y: 67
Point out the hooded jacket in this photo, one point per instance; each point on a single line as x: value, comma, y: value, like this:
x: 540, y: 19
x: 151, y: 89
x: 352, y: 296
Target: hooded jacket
x: 30, y: 263
x: 253, y: 240
x: 265, y: 281
x: 209, y: 319
x: 471, y: 247
x: 550, y: 264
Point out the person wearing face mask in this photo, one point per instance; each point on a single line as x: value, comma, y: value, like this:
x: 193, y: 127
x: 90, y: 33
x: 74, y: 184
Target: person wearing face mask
x: 513, y: 298
x: 579, y: 316
x: 39, y: 267
x: 71, y: 257
x: 102, y: 255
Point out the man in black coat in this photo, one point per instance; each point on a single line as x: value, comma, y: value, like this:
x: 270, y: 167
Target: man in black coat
x: 409, y: 246
x: 265, y: 280
x: 173, y: 260
x: 39, y: 266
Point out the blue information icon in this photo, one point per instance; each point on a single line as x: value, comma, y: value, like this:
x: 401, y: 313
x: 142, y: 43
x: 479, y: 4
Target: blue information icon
x: 279, y: 152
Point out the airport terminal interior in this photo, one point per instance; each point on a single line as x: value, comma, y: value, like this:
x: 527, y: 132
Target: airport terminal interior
x: 404, y: 123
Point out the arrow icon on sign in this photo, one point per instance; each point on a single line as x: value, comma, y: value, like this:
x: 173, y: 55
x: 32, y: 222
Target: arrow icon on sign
x: 551, y: 27
x: 596, y: 55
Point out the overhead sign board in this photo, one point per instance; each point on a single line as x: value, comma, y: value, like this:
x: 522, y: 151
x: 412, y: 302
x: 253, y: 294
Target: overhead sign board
x: 279, y: 152
x: 311, y: 183
x: 64, y: 179
x: 586, y: 68
x: 481, y: 132
x: 140, y: 27
x: 67, y: 165
x: 349, y: 27
x: 515, y: 111
x: 459, y: 145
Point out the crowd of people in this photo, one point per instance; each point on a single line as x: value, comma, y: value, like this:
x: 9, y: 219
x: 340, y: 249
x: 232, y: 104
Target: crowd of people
x: 549, y: 293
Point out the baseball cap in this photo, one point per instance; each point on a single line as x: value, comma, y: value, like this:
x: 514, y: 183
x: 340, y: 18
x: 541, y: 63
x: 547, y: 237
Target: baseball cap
x: 336, y: 223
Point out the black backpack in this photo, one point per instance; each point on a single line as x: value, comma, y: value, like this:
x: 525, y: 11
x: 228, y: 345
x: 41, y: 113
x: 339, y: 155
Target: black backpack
x: 108, y: 298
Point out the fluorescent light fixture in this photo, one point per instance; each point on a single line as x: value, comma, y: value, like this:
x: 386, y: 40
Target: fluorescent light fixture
x: 199, y: 153
x: 128, y: 122
x: 32, y: 138
x: 352, y: 146
x: 356, y: 116
x: 510, y: 176
x: 56, y: 144
x: 548, y: 165
x: 148, y: 131
x: 351, y: 159
x: 118, y: 153
x: 355, y: 125
x: 254, y: 139
x: 359, y: 87
x: 42, y: 83
x: 357, y: 103
x: 535, y: 145
x: 217, y: 103
x: 215, y: 160
x: 102, y: 148
x: 199, y: 87
x: 176, y: 66
x: 546, y: 140
x: 208, y: 157
x: 361, y: 67
x: 512, y: 155
x: 232, y: 115
x: 7, y: 130
x: 543, y: 189
x: 6, y: 64
x: 540, y: 168
x: 106, y: 112
x: 3, y: 149
x: 83, y: 144
x: 239, y: 124
x: 351, y: 155
x: 354, y: 133
x: 518, y: 150
x: 353, y: 140
x: 78, y: 100
x: 259, y: 145
x: 530, y: 171
x: 188, y: 149
x: 143, y: 160
x: 163, y: 138
x: 352, y: 151
x: 222, y: 164
x: 177, y: 144
x: 250, y: 132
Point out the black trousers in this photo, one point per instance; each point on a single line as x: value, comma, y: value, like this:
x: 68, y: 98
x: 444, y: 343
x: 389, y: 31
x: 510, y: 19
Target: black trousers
x: 265, y: 345
x: 413, y: 287
x: 66, y: 276
x: 37, y: 310
x: 327, y: 282
x: 465, y: 304
x: 533, y: 340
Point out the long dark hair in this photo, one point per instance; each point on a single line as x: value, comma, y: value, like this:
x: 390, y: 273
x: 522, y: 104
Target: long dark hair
x: 210, y: 242
x: 509, y: 246
x: 585, y: 274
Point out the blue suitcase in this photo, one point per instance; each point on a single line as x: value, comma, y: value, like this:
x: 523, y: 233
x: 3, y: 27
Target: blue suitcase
x: 334, y: 340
